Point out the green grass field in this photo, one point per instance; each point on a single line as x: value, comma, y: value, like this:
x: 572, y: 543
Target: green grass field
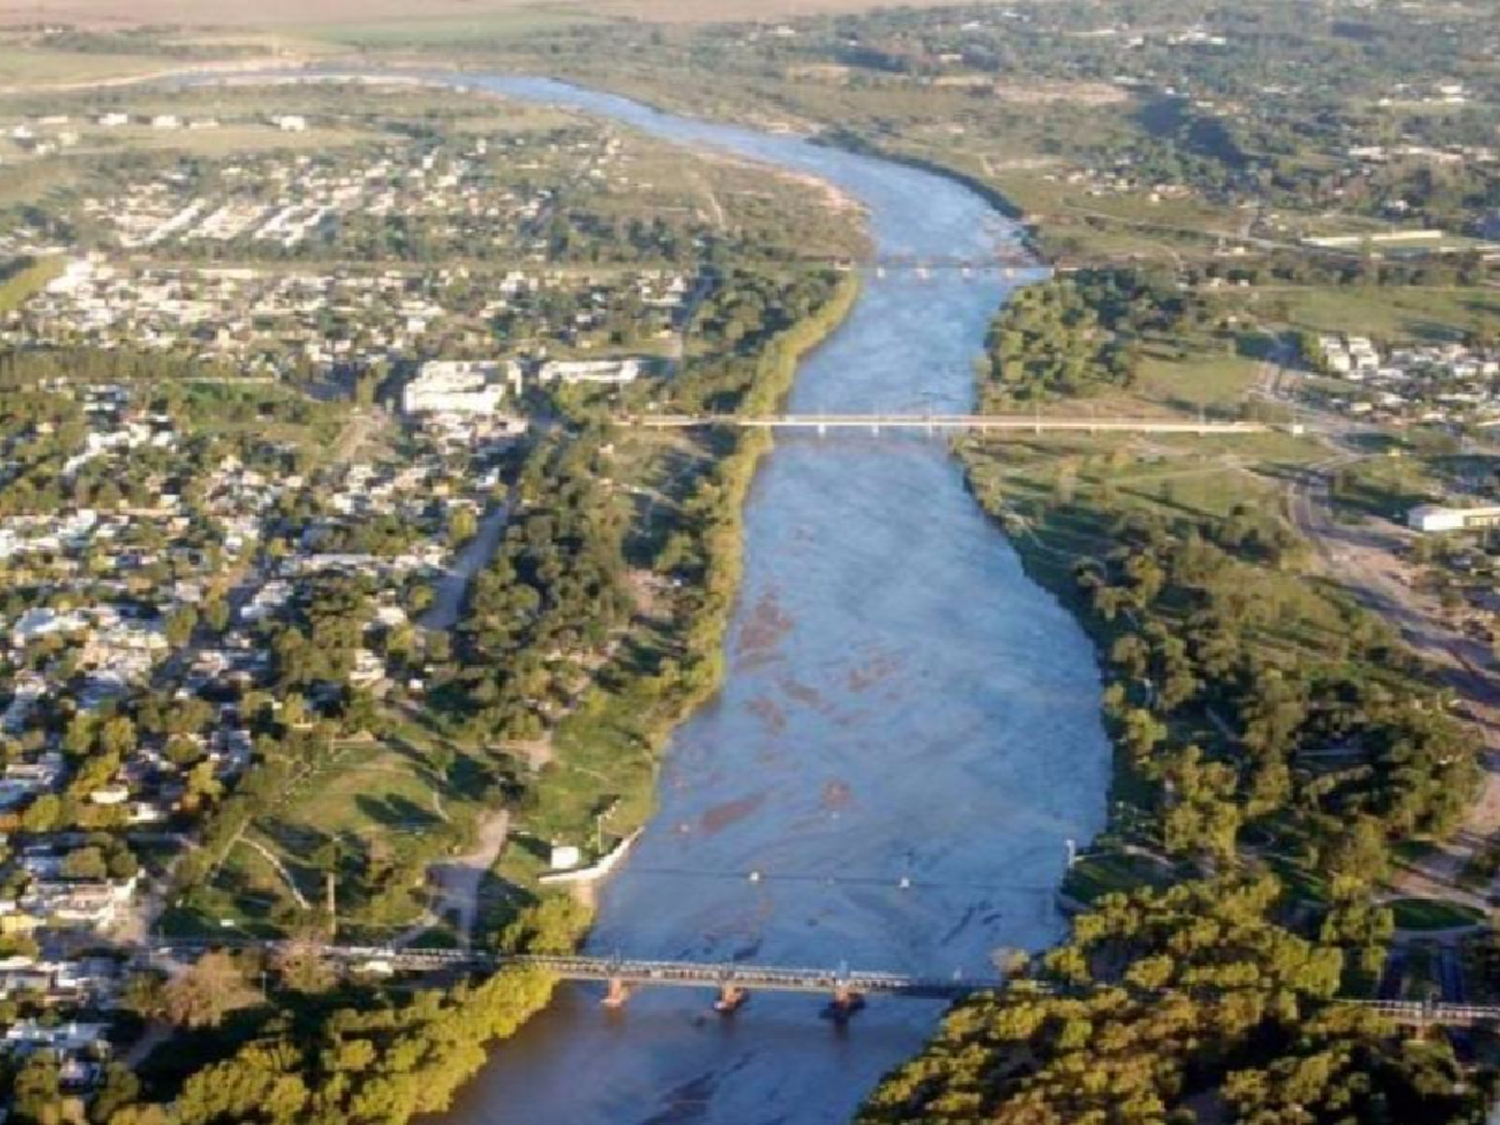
x: 1432, y: 914
x: 1094, y: 876
x: 390, y: 812
x: 1213, y: 383
x: 1412, y: 313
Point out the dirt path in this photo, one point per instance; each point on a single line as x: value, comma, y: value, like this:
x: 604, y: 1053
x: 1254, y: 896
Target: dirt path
x: 474, y: 556
x: 1366, y: 558
x: 155, y: 1035
x: 361, y: 427
x: 456, y: 882
x: 275, y: 861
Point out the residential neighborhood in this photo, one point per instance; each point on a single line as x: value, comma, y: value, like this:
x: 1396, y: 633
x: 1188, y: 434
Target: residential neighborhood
x: 1410, y: 383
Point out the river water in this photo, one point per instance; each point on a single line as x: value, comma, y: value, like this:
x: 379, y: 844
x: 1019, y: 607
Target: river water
x: 902, y: 702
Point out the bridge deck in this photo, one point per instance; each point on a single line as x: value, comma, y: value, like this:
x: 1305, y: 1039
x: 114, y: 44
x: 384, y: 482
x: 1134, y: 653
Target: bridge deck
x: 681, y: 974
x: 943, y: 422
x: 759, y: 978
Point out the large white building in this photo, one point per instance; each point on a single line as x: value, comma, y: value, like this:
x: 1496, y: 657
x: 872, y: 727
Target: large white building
x: 461, y: 387
x: 1435, y: 517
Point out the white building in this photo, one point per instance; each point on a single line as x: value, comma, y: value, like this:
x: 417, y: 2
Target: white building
x: 290, y: 123
x: 605, y: 372
x: 461, y: 387
x: 1436, y: 518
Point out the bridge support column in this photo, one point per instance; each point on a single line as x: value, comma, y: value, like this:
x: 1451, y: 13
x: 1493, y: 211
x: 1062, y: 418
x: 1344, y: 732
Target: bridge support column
x: 731, y: 999
x: 616, y: 993
x: 846, y: 1002
x: 822, y: 430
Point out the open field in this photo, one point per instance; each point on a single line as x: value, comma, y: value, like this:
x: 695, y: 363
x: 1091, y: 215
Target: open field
x: 28, y: 59
x: 390, y: 813
x: 363, y: 13
x: 1417, y: 313
x: 25, y: 66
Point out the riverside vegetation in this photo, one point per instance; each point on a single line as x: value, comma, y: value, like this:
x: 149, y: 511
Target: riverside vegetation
x: 1275, y: 745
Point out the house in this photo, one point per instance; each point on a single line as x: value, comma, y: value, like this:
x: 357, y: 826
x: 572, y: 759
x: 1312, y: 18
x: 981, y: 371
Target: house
x: 89, y: 904
x: 25, y: 1036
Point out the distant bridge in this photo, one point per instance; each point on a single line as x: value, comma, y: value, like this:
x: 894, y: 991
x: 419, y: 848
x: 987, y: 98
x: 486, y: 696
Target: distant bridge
x: 1006, y: 264
x: 1007, y: 260
x: 944, y: 423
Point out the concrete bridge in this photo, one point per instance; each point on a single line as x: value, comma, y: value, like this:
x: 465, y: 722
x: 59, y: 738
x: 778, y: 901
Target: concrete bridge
x: 944, y: 423
x: 734, y: 982
x: 1008, y: 260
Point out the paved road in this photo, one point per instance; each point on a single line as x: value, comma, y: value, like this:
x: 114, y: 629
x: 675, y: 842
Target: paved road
x: 1368, y: 559
x: 448, y: 599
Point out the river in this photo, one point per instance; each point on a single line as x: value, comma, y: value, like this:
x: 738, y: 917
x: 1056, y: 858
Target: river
x: 902, y: 704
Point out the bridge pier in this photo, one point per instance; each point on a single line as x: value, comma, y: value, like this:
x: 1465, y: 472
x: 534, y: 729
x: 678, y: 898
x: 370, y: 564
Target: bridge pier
x: 616, y: 993
x: 731, y: 999
x: 846, y: 1002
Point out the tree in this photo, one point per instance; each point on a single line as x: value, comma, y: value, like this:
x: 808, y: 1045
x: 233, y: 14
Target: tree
x: 43, y: 814
x: 303, y: 968
x: 462, y: 526
x: 203, y: 994
x: 216, y: 613
x: 553, y: 925
x: 145, y: 995
x: 119, y: 1089
x: 84, y: 863
x: 180, y: 626
x: 37, y: 1092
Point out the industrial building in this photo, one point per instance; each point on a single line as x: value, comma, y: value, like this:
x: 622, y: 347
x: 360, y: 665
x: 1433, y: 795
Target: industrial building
x: 1429, y: 518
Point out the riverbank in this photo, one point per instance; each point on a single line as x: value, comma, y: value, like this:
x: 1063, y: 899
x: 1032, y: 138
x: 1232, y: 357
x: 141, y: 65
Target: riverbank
x: 607, y: 753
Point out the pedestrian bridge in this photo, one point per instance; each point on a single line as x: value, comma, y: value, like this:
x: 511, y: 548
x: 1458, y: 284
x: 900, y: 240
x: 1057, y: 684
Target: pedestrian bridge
x: 944, y: 423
